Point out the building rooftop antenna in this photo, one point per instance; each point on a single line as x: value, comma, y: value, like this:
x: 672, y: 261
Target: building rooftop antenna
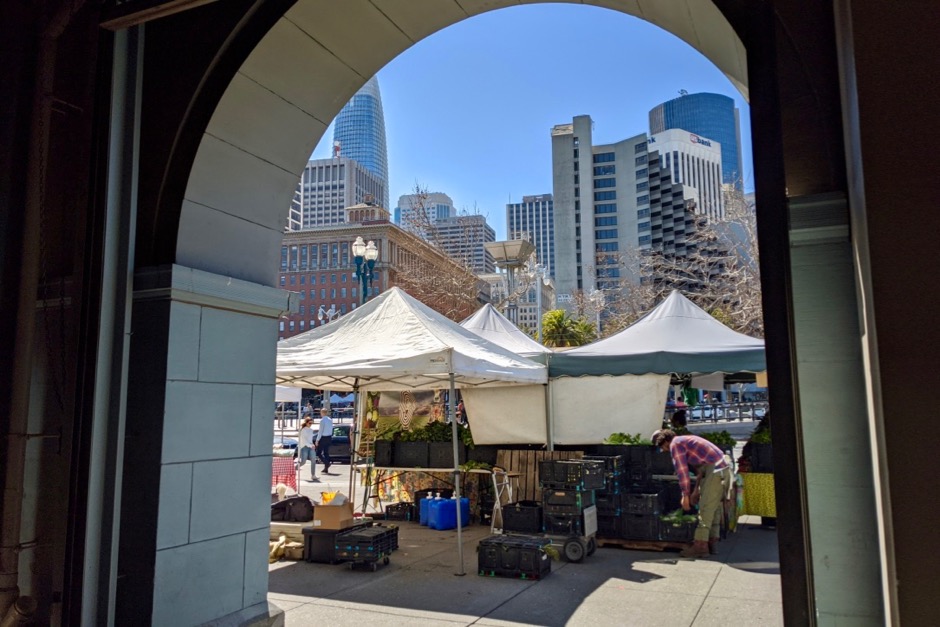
x: 683, y: 92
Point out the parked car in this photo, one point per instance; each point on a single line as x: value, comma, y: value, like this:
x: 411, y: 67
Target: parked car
x: 340, y: 449
x: 285, y: 446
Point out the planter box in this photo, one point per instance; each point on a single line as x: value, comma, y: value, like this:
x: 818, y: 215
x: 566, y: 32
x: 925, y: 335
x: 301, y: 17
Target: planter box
x: 411, y: 454
x: 383, y: 453
x: 441, y: 454
x: 762, y: 457
x: 485, y: 453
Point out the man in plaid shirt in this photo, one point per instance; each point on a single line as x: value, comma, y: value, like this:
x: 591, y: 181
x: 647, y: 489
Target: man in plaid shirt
x: 710, y: 465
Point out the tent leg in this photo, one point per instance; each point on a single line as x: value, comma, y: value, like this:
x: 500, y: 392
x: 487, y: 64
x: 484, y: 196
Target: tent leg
x: 453, y: 427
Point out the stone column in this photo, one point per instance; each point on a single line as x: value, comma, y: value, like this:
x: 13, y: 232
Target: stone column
x: 195, y: 510
x: 837, y: 459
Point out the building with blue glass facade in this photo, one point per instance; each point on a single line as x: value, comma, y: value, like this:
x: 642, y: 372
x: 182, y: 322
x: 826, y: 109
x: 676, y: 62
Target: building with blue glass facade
x: 713, y: 116
x: 359, y: 133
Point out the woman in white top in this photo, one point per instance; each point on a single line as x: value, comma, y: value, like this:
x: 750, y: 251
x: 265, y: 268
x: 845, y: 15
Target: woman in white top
x: 305, y: 450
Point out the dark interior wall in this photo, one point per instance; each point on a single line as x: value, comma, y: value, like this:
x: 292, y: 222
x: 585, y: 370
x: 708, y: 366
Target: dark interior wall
x: 898, y: 96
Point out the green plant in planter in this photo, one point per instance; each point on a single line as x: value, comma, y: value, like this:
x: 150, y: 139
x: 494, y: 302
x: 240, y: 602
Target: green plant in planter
x: 761, y: 436
x: 721, y: 439
x: 625, y: 438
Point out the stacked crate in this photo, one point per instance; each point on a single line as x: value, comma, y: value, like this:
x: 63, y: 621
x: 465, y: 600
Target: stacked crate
x: 609, y: 499
x: 568, y: 488
x: 632, y: 503
x: 518, y: 557
x: 367, y: 545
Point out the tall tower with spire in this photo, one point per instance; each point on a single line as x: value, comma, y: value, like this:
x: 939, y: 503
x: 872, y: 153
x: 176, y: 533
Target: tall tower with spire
x: 359, y: 133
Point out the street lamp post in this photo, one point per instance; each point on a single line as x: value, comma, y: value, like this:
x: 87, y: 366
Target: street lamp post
x: 329, y: 314
x: 536, y: 273
x: 597, y: 299
x: 365, y: 255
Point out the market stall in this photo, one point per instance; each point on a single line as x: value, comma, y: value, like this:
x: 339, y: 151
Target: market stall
x: 395, y: 342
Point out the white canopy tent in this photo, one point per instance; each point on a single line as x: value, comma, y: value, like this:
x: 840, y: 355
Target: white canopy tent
x: 395, y: 342
x: 489, y: 323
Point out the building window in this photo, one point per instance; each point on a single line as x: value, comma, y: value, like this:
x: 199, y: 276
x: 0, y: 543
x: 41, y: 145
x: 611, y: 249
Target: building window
x: 643, y: 226
x: 643, y: 213
x: 642, y: 187
x: 606, y: 221
x: 641, y: 160
x: 604, y: 170
x: 642, y: 199
x: 577, y: 192
x: 332, y: 278
x: 343, y: 277
x: 603, y: 157
x: 333, y: 292
x: 280, y: 325
x: 302, y: 325
x: 612, y: 195
x: 644, y: 239
x: 291, y: 325
x: 293, y: 279
x: 641, y: 147
x: 301, y: 294
x: 606, y: 234
x: 302, y: 308
x: 642, y: 172
x: 283, y: 280
x: 342, y: 292
x: 606, y: 208
x: 606, y: 247
x: 313, y: 279
x: 601, y: 183
x: 322, y: 293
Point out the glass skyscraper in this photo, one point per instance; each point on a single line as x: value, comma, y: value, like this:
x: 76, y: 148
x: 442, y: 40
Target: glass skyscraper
x: 710, y: 115
x: 359, y: 133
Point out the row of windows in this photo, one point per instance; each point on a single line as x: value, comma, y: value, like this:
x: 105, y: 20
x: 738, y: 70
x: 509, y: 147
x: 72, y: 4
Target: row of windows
x: 610, y: 207
x: 606, y: 247
x: 603, y: 157
x: 313, y: 279
x: 642, y: 187
x: 605, y: 234
x: 642, y: 172
x: 608, y: 221
x: 641, y: 147
x: 603, y: 170
x: 612, y: 195
x: 643, y: 226
x: 641, y: 160
x: 601, y: 183
x: 643, y: 213
x: 642, y: 199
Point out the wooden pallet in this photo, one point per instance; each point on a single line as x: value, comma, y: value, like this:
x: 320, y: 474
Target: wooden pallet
x: 642, y: 545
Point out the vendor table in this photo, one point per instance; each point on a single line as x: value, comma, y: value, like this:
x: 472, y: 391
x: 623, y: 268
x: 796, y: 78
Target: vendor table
x: 385, y: 482
x: 759, y: 498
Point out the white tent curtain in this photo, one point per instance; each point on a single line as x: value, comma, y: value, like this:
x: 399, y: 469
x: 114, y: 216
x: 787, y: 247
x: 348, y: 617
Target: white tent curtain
x: 513, y: 415
x: 588, y: 409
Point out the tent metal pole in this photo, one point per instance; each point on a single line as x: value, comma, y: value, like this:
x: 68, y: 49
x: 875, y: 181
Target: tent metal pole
x: 453, y: 437
x: 355, y: 443
x: 549, y: 408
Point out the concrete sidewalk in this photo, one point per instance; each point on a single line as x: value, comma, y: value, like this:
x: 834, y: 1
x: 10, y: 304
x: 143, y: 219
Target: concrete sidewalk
x: 612, y: 587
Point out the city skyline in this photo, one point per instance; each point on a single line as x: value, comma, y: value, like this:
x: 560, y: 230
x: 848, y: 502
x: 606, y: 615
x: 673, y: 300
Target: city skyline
x: 479, y: 131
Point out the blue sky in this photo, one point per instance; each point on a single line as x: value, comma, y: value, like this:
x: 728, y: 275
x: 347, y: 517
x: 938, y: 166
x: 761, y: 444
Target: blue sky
x: 469, y: 109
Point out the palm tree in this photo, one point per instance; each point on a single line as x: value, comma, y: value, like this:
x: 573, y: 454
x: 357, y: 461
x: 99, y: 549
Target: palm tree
x: 559, y: 329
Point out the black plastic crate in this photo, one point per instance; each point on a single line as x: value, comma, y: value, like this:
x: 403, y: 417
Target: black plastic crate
x: 637, y: 476
x: 401, y: 511
x: 648, y: 504
x: 441, y: 454
x: 572, y: 474
x: 609, y: 504
x: 552, y: 497
x: 640, y: 527
x: 364, y: 545
x: 612, y: 463
x: 485, y: 453
x: 610, y: 449
x: 670, y: 495
x: 320, y: 544
x: 518, y: 557
x: 684, y: 532
x: 383, y: 453
x: 563, y: 524
x: 661, y: 462
x: 522, y: 517
x: 411, y: 454
x: 613, y: 484
x: 609, y: 526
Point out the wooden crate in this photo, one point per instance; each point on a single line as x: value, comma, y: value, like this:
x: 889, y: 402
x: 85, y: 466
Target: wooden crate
x: 526, y: 463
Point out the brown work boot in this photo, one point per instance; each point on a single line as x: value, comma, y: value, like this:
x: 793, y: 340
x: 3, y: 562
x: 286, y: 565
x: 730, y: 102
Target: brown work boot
x: 698, y: 548
x: 713, y: 546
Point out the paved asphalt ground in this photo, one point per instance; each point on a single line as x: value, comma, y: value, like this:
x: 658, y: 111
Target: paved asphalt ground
x: 615, y: 586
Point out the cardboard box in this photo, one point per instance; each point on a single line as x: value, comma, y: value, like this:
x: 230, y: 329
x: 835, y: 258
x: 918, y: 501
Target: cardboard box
x: 333, y: 516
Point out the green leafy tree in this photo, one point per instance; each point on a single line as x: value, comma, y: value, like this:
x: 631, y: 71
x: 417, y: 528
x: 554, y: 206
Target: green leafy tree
x: 559, y: 329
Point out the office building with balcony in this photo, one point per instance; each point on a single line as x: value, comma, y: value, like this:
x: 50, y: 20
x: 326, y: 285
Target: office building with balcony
x: 533, y: 220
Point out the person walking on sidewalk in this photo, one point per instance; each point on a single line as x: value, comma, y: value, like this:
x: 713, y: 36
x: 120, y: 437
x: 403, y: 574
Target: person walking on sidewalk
x: 305, y: 448
x: 710, y: 464
x: 325, y: 438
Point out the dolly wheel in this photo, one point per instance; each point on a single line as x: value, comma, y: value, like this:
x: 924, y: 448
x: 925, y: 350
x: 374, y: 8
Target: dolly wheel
x: 385, y: 561
x: 591, y: 546
x: 574, y: 550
